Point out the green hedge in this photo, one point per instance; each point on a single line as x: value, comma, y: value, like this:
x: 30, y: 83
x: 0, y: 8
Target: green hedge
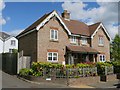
x: 101, y: 67
x: 116, y: 65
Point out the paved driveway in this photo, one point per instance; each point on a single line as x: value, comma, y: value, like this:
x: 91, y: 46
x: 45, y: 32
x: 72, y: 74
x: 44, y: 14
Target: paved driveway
x: 9, y: 81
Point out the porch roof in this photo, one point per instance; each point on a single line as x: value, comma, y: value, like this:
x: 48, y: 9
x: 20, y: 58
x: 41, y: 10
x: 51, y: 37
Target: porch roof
x: 82, y: 49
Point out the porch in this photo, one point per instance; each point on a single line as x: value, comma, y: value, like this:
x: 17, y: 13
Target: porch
x: 80, y: 54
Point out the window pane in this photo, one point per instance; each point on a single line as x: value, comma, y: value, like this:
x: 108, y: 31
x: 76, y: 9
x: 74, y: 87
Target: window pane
x: 50, y: 58
x: 103, y: 58
x: 50, y: 54
x: 13, y: 42
x: 100, y: 58
x: 56, y: 37
x: 52, y: 34
x: 54, y: 54
x: 100, y: 40
x: 54, y: 58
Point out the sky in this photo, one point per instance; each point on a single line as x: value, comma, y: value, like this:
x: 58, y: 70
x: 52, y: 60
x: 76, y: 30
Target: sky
x: 17, y: 16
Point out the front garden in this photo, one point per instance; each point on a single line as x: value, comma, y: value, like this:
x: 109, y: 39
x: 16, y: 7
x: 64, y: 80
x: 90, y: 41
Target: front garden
x: 40, y: 69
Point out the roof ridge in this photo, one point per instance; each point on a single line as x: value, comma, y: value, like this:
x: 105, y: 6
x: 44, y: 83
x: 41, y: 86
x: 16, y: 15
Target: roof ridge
x: 95, y: 23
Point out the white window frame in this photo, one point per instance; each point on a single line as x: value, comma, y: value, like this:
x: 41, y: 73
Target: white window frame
x: 103, y: 59
x: 10, y: 50
x: 100, y: 41
x: 54, y: 39
x: 13, y: 44
x: 73, y: 39
x: 84, y: 41
x: 52, y: 57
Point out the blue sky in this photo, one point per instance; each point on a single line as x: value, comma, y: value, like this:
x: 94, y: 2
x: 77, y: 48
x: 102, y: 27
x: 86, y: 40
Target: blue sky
x: 19, y: 15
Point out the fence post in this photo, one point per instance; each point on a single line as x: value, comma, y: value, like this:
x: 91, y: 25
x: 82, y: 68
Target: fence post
x: 67, y: 77
x: 105, y: 70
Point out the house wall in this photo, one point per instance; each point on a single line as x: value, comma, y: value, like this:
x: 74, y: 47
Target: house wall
x: 7, y: 44
x: 44, y: 43
x: 28, y: 44
x: 1, y: 46
x: 105, y: 49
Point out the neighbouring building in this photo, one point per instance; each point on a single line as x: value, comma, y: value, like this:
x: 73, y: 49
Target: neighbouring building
x: 7, y: 43
x: 58, y: 39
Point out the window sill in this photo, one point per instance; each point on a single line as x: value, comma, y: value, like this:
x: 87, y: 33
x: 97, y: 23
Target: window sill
x: 84, y: 44
x: 53, y: 61
x: 101, y: 45
x: 73, y: 43
x: 54, y: 41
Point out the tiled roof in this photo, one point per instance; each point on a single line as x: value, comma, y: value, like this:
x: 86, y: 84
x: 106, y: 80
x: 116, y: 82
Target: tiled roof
x: 93, y: 27
x: 82, y: 49
x: 4, y: 35
x: 75, y: 27
x: 35, y: 24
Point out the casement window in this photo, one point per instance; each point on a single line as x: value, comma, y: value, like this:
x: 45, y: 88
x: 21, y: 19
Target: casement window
x: 52, y: 56
x: 84, y: 41
x: 101, y: 41
x: 54, y: 35
x: 73, y: 39
x: 10, y: 50
x: 102, y: 58
x: 12, y: 42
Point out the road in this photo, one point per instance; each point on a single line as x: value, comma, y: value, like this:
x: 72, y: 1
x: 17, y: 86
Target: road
x: 10, y: 81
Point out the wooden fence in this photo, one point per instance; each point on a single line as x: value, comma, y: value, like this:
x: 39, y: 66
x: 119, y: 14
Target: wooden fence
x: 9, y: 62
x: 23, y: 61
x: 73, y: 72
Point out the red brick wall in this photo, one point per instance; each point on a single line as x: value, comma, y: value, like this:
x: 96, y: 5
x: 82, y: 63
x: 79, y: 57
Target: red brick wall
x: 44, y: 43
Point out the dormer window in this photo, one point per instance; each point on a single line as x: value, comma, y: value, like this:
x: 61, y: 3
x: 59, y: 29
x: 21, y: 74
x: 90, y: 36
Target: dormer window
x: 100, y: 39
x: 73, y: 39
x: 54, y: 35
x: 84, y: 41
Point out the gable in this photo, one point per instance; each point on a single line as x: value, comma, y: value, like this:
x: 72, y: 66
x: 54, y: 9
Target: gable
x: 41, y: 22
x: 104, y: 29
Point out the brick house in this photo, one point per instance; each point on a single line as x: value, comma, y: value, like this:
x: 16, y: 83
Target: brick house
x: 58, y: 39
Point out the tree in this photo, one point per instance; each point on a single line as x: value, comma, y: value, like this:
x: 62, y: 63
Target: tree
x: 116, y: 48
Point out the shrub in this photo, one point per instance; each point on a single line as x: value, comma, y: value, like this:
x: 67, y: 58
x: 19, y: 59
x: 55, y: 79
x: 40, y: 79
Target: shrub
x: 70, y: 66
x: 101, y: 67
x: 116, y: 65
x: 24, y: 72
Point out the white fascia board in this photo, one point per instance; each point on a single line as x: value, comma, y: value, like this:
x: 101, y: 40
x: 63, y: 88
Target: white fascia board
x: 48, y: 18
x: 75, y: 35
x: 85, y: 37
x: 101, y: 25
x: 26, y: 33
x: 106, y: 31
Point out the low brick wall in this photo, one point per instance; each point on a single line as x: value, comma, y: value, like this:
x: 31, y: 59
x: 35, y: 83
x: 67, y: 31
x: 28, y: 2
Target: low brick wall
x: 84, y: 80
x: 72, y: 81
x: 111, y: 77
x: 53, y: 80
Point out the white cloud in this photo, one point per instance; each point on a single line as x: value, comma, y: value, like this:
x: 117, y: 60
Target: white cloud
x: 2, y: 21
x: 106, y: 13
x: 15, y: 32
x: 2, y: 5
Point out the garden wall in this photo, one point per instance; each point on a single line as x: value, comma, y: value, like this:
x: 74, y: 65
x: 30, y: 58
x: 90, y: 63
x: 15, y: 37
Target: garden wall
x: 72, y: 81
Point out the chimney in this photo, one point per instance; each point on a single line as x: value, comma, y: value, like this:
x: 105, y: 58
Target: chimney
x: 66, y: 15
